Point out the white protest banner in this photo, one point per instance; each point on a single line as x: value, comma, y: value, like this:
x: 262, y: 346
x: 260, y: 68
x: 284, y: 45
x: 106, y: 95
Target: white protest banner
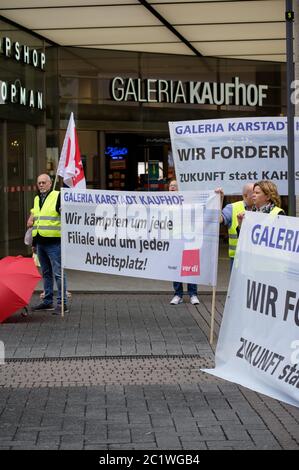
x: 164, y: 235
x: 231, y: 152
x: 258, y: 345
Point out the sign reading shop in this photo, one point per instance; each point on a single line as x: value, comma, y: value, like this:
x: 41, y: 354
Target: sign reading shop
x: 15, y: 92
x: 170, y: 91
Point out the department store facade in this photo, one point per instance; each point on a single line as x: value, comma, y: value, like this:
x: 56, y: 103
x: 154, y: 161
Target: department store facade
x: 122, y: 103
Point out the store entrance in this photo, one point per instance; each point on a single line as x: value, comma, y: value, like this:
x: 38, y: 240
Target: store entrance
x: 138, y: 162
x: 19, y: 150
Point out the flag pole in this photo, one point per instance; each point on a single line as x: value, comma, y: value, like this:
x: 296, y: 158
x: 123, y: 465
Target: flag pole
x: 62, y: 273
x: 62, y: 291
x: 212, y: 315
x: 220, y: 192
x: 62, y: 264
x: 71, y: 170
x: 55, y: 181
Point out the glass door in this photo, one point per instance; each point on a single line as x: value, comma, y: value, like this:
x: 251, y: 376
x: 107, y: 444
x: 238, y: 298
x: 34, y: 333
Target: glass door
x: 18, y: 143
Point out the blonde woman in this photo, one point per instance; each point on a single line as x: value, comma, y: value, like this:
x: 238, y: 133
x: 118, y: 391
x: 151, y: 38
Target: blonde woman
x: 266, y: 198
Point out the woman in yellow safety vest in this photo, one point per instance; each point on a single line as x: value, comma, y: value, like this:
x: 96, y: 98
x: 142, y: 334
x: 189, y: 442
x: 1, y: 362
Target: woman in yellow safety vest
x: 266, y: 198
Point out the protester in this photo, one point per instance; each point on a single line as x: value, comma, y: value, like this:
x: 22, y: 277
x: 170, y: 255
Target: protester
x: 178, y: 286
x: 229, y: 217
x: 46, y: 243
x: 28, y: 241
x: 265, y: 199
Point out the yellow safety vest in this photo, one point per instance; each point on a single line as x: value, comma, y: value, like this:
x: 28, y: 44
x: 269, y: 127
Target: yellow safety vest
x: 276, y: 210
x: 47, y: 219
x: 237, y: 208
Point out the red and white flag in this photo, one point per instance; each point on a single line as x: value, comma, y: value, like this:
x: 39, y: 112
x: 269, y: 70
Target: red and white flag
x: 70, y: 166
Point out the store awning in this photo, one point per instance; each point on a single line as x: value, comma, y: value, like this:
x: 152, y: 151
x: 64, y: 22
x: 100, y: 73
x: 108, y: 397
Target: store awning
x: 252, y: 29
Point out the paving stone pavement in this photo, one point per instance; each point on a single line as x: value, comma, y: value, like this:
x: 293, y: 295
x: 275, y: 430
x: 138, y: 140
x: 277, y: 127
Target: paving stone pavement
x: 121, y: 372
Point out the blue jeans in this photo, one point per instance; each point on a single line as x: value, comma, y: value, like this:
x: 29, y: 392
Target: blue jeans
x: 49, y: 256
x: 178, y: 289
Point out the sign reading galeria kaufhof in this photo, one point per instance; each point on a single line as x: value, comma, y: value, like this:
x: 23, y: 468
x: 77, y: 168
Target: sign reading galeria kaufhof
x: 153, y: 90
x: 14, y: 91
x: 231, y: 152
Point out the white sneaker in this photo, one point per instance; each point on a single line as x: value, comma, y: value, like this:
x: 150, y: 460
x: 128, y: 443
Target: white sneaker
x: 194, y: 300
x: 176, y: 300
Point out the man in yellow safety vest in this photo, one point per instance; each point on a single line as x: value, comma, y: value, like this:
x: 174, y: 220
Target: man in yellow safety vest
x: 229, y: 217
x: 46, y: 236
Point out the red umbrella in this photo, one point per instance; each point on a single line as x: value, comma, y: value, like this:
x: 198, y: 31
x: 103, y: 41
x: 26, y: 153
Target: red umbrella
x: 18, y: 278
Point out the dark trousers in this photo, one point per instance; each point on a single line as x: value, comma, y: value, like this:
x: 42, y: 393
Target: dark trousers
x: 178, y: 289
x: 49, y: 256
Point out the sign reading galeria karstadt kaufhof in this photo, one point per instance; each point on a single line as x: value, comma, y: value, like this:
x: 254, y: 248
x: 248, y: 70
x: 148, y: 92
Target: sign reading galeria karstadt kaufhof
x: 258, y: 345
x: 231, y: 152
x: 165, y: 235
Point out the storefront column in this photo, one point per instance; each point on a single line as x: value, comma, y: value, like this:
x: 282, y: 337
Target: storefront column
x: 102, y: 147
x: 4, y: 201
